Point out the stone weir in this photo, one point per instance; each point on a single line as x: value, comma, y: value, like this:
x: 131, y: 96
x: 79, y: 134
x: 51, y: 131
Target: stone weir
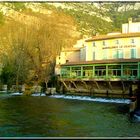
x: 101, y: 88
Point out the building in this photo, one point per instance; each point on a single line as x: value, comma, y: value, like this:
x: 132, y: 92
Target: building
x: 106, y: 64
x: 131, y: 27
x: 69, y: 55
x: 66, y: 55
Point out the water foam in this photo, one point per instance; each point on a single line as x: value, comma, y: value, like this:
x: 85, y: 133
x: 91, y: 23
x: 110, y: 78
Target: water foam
x: 85, y: 98
x: 16, y: 93
x: 38, y: 94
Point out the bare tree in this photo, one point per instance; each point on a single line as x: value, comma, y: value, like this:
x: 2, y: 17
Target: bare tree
x: 31, y: 49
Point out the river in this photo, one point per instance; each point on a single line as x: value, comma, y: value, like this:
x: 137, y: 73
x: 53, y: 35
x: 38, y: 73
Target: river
x: 47, y: 116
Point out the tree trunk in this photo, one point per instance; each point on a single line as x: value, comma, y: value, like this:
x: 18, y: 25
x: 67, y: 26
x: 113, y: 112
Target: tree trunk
x: 17, y: 83
x: 46, y: 82
x: 17, y: 79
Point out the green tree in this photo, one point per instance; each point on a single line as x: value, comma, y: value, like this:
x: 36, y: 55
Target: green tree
x: 18, y: 6
x: 2, y: 19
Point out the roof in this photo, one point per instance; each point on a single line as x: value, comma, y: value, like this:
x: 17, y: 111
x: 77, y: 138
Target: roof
x: 101, y: 62
x: 105, y: 37
x: 70, y: 49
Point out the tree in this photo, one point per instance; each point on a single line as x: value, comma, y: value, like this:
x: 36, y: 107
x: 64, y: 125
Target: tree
x: 30, y: 50
x: 1, y: 18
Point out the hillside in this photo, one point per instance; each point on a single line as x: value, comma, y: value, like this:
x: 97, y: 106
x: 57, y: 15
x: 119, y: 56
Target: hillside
x: 100, y: 17
x: 91, y: 18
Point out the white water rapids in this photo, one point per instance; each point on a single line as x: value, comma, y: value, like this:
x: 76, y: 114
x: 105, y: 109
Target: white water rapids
x: 85, y: 98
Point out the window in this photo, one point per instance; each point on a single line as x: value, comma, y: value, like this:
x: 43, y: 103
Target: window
x: 114, y: 70
x: 104, y: 43
x: 132, y: 40
x: 93, y: 44
x: 130, y: 70
x: 119, y: 53
x: 76, y: 71
x: 88, y: 71
x: 105, y: 54
x: 114, y: 73
x: 133, y: 53
x: 100, y: 71
x: 94, y: 55
x: 114, y: 54
x: 117, y: 42
x: 82, y: 54
x: 65, y: 71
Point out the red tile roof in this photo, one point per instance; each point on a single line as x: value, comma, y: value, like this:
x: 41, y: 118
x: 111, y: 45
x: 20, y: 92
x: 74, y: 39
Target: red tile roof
x: 105, y: 37
x: 101, y: 62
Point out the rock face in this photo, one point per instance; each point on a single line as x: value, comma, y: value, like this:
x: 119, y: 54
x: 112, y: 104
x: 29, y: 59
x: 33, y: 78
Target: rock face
x: 34, y: 14
x: 10, y: 11
x: 97, y: 13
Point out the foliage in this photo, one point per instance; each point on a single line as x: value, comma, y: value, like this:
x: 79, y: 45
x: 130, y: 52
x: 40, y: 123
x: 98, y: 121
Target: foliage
x: 89, y: 24
x: 31, y: 49
x: 120, y: 12
x: 1, y: 18
x: 90, y: 17
x: 18, y: 6
x: 7, y: 75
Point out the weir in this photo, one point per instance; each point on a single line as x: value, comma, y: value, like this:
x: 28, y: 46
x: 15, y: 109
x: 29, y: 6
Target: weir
x: 122, y: 89
x: 86, y: 98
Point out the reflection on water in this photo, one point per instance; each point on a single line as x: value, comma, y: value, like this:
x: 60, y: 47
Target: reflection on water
x: 56, y: 117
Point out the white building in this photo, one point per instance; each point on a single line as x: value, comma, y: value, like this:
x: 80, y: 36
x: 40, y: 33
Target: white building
x: 112, y: 46
x: 131, y: 27
x: 67, y: 55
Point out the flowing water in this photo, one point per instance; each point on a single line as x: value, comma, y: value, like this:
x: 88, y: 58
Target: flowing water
x: 55, y: 116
